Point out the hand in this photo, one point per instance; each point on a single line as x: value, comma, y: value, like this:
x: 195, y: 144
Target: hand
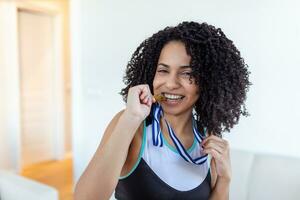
x: 218, y: 148
x: 139, y: 102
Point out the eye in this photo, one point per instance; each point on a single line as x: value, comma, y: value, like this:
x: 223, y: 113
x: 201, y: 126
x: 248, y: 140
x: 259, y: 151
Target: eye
x: 162, y: 71
x: 186, y: 73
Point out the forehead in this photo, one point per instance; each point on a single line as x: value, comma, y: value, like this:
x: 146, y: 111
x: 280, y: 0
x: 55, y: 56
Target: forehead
x: 174, y: 54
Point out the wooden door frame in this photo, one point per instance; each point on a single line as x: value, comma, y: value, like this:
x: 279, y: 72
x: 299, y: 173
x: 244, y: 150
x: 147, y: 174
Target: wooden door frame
x: 59, y: 92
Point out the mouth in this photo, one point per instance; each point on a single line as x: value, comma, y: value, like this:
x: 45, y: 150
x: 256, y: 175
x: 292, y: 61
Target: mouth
x: 172, y: 97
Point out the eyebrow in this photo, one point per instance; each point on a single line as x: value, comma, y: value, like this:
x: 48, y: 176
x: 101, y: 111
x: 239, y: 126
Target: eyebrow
x: 167, y: 66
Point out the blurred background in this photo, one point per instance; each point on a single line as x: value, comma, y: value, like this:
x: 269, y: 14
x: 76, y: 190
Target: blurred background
x: 62, y: 62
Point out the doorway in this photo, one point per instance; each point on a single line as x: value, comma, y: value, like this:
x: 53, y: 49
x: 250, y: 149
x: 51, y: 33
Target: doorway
x: 42, y: 132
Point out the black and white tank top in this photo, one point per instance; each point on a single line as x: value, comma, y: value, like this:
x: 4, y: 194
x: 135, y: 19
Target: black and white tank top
x: 161, y: 173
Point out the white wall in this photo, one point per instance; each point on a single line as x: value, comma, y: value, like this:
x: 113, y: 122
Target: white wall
x: 106, y: 33
x: 9, y: 125
x: 4, y: 163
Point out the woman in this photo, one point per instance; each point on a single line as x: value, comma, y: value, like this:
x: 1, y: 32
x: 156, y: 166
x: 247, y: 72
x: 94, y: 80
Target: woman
x: 172, y: 148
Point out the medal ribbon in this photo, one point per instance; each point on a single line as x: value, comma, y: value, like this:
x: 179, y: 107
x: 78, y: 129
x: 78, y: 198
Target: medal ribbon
x: 157, y: 139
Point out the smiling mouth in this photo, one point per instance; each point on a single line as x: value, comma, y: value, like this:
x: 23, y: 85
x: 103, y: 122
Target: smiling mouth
x: 172, y: 97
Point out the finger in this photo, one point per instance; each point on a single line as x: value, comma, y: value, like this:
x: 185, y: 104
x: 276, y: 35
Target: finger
x: 153, y: 99
x: 213, y: 153
x: 221, y: 147
x: 215, y: 146
x: 212, y: 138
x: 214, y: 142
x: 146, y: 100
x: 149, y: 101
x: 144, y: 93
x: 143, y: 88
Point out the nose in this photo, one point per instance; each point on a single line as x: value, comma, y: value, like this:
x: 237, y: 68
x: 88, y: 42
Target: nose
x: 172, y: 82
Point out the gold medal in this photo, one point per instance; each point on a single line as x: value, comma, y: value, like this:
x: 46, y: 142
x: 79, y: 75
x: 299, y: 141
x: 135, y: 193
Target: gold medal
x: 159, y: 97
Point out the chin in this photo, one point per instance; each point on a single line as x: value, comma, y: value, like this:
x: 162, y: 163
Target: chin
x: 175, y: 110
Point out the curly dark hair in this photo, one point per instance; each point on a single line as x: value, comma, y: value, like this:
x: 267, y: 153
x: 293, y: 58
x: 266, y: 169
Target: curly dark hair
x: 217, y: 67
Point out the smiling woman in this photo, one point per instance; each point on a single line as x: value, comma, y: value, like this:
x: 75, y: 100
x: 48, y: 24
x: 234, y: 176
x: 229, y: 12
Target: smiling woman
x: 172, y: 144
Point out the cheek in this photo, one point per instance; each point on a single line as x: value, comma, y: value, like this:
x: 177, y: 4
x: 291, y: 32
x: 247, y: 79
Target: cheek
x: 156, y: 82
x: 192, y: 88
x: 195, y: 91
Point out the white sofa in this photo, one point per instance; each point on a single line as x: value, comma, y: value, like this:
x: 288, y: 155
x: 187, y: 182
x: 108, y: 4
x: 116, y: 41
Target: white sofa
x: 263, y: 177
x: 15, y: 187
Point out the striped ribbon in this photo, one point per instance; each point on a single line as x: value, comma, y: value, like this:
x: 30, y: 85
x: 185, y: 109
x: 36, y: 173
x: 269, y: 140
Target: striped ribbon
x: 157, y: 112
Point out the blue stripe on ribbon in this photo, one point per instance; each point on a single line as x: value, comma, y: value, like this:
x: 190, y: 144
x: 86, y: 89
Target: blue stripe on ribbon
x: 181, y: 148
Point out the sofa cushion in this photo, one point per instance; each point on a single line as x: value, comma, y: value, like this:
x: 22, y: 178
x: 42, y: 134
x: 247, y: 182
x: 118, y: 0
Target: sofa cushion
x: 15, y: 187
x: 241, y: 162
x: 275, y: 177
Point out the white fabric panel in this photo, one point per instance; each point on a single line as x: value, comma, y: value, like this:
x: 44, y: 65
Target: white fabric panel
x: 174, y: 171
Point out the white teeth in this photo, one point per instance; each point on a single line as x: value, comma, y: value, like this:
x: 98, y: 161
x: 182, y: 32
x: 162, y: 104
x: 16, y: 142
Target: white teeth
x: 173, y: 96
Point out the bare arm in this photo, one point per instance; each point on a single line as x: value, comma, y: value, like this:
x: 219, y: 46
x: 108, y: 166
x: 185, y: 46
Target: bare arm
x: 220, y: 165
x: 221, y: 190
x: 101, y: 176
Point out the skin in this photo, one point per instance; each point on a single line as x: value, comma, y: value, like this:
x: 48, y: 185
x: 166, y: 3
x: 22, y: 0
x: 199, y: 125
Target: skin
x: 121, y: 142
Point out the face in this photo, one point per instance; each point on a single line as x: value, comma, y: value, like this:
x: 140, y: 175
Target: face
x: 172, y: 79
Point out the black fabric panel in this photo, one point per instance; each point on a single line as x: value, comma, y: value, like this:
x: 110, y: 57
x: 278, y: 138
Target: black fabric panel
x: 144, y: 184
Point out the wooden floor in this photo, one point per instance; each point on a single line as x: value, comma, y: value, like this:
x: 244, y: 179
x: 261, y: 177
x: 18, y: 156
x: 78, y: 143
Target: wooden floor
x: 58, y: 174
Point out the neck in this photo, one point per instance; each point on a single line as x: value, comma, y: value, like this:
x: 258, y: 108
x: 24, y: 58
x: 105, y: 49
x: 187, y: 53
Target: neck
x: 181, y: 124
